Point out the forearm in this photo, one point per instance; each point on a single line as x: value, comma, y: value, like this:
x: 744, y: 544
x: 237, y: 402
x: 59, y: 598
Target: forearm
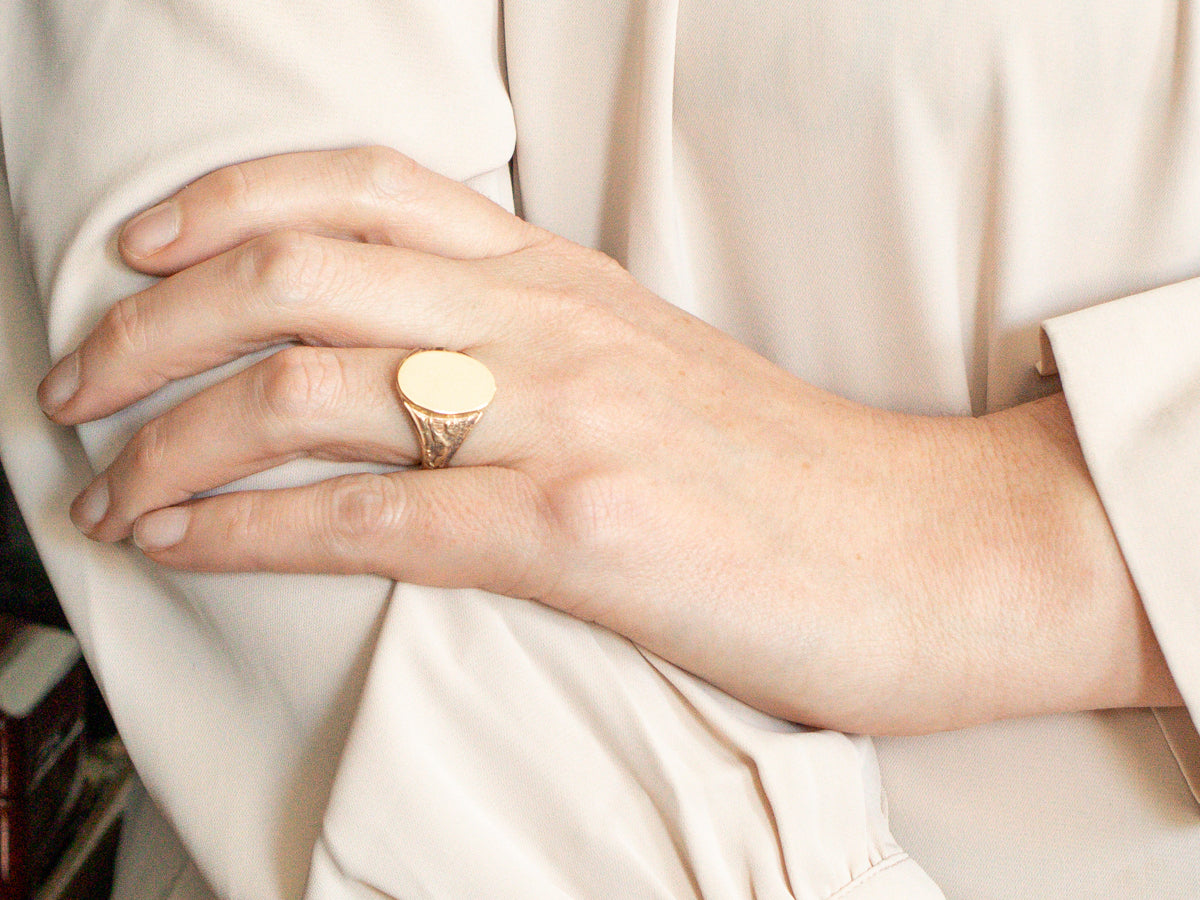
x: 970, y: 563
x: 1090, y: 628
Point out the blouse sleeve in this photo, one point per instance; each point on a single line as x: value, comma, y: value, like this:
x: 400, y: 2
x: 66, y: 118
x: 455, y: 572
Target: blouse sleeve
x: 1130, y: 370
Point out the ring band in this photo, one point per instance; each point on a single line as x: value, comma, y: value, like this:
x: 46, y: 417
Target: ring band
x: 445, y: 393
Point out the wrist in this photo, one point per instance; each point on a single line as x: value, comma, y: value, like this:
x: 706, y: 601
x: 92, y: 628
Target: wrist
x: 1093, y: 640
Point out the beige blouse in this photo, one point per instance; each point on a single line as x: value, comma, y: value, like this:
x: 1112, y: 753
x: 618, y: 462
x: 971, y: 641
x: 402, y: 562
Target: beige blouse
x: 887, y: 198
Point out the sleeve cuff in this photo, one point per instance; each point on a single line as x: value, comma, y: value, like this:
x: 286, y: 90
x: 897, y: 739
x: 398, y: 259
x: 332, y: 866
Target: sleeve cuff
x: 1130, y: 370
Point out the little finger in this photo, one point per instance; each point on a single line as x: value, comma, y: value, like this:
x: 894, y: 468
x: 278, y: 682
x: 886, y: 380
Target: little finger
x: 480, y: 527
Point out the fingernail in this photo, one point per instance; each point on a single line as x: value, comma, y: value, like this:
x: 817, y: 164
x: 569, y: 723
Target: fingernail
x: 60, y: 385
x: 161, y: 529
x: 90, y: 506
x: 152, y: 230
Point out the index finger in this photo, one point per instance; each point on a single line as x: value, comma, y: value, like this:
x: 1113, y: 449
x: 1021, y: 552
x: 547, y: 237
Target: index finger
x: 371, y: 194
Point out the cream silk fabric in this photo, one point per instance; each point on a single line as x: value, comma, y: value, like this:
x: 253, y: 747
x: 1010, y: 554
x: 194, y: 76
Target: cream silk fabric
x: 887, y: 198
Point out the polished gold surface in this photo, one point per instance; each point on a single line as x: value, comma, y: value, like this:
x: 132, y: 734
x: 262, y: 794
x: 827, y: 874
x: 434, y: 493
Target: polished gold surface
x: 445, y: 382
x: 445, y: 393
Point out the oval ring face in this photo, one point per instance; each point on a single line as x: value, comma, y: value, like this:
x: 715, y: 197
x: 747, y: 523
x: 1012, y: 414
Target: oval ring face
x: 445, y: 382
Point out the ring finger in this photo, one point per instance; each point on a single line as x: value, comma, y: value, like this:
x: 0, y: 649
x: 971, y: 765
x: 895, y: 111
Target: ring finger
x: 319, y: 403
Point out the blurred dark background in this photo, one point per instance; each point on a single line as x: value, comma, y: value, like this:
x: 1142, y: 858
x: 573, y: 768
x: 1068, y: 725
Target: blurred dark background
x: 74, y: 849
x: 25, y: 590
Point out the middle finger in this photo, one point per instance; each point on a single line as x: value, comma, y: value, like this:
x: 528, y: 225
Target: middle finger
x: 285, y: 286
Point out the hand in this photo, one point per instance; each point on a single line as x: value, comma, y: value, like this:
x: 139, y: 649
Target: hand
x: 830, y: 563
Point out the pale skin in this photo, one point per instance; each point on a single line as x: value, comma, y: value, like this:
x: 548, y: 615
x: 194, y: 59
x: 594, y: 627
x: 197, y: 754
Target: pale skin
x: 827, y: 562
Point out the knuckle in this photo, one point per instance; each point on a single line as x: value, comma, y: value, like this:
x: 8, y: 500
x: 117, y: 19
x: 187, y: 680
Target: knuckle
x: 587, y: 398
x: 285, y: 268
x: 300, y: 383
x: 556, y: 298
x: 590, y: 512
x: 532, y: 550
x: 379, y: 173
x: 237, y: 187
x: 549, y: 300
x: 241, y: 522
x: 251, y: 525
x: 147, y: 450
x: 574, y: 262
x: 363, y: 509
x: 578, y: 288
x: 128, y: 325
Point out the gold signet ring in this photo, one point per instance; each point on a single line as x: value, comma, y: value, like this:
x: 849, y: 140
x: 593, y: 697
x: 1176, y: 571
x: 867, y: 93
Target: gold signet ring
x: 445, y: 393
